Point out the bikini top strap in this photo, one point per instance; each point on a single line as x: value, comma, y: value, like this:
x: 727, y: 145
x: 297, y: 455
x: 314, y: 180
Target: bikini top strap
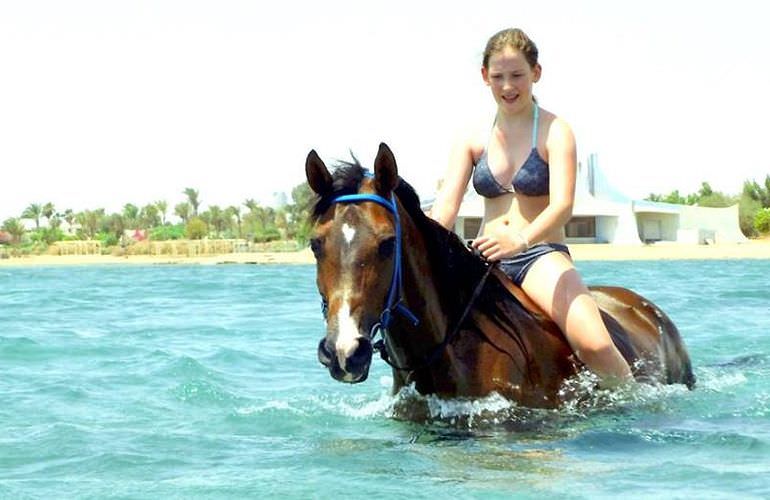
x: 489, y: 138
x: 535, y: 121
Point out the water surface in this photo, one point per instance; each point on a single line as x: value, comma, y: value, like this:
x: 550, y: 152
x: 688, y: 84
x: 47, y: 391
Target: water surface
x: 202, y: 381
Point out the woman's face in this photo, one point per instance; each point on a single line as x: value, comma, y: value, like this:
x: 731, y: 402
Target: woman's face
x: 510, y: 77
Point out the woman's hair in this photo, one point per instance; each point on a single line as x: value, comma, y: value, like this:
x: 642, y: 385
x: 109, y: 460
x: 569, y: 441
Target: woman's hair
x: 515, y: 39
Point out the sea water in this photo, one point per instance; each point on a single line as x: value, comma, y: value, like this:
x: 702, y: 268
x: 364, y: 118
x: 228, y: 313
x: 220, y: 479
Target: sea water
x: 202, y: 382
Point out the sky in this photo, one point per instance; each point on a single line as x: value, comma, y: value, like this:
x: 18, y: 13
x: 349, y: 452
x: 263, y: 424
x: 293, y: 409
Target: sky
x: 109, y: 102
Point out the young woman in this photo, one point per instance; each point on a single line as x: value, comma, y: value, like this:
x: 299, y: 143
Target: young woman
x: 525, y: 169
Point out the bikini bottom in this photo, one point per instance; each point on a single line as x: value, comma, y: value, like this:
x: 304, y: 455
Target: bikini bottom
x: 516, y: 267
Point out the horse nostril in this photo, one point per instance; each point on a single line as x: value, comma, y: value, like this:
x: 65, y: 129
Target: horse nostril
x: 362, y: 355
x: 324, y: 353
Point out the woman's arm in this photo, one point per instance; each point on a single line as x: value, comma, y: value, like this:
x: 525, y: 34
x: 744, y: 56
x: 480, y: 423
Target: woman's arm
x: 450, y: 195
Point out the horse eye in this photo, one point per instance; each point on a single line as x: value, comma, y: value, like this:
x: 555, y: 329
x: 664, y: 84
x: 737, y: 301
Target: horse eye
x: 386, y: 247
x: 316, y: 245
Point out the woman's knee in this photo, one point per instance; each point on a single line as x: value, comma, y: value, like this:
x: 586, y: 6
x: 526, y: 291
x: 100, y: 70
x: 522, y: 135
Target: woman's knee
x: 594, y: 347
x: 584, y: 327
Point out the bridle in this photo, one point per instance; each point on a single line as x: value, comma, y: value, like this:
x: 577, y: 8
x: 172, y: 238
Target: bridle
x: 394, y: 301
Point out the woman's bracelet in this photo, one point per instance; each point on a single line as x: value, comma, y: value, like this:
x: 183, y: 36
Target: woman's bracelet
x: 523, y: 239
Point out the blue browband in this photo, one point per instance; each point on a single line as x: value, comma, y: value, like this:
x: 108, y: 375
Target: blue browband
x: 394, y: 294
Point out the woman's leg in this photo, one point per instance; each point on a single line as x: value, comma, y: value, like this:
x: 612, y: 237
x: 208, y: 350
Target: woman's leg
x: 555, y: 285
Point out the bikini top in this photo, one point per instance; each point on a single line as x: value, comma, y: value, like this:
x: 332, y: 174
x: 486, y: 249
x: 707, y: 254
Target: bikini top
x: 531, y: 179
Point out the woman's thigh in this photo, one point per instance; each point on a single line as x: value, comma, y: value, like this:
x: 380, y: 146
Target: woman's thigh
x: 555, y: 285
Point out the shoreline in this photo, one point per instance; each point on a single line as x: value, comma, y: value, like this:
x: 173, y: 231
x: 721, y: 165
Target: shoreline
x: 753, y: 249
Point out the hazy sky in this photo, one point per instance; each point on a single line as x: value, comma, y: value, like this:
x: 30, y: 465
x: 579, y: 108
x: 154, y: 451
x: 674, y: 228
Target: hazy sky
x: 108, y: 102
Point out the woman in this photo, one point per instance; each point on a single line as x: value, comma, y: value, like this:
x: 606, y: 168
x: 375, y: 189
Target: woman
x: 525, y: 169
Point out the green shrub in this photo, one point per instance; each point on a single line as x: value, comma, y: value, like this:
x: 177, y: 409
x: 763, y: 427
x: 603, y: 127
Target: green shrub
x: 46, y: 235
x: 107, y: 239
x: 302, y: 233
x: 747, y: 211
x: 164, y: 233
x: 196, y: 229
x: 271, y: 234
x: 762, y: 221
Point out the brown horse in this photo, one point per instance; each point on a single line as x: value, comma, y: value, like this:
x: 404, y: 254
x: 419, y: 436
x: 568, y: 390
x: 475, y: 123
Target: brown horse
x: 452, y: 324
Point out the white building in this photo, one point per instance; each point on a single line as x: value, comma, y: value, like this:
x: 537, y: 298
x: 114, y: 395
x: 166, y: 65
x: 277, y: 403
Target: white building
x: 602, y: 214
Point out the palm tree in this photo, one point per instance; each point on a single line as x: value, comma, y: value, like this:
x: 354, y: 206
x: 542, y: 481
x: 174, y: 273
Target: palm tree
x: 116, y: 224
x: 48, y: 211
x: 267, y: 216
x: 130, y: 215
x: 235, y: 212
x: 162, y: 207
x: 251, y: 205
x: 34, y: 212
x: 281, y: 223
x: 192, y: 198
x: 90, y: 221
x: 250, y: 219
x: 216, y: 219
x: 149, y: 216
x: 15, y: 228
x: 183, y: 211
x: 69, y: 216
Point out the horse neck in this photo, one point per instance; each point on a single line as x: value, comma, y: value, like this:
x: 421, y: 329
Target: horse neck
x: 429, y: 295
x: 438, y: 288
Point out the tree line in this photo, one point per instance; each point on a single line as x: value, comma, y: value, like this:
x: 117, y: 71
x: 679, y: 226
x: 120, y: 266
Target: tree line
x: 248, y: 220
x: 753, y: 203
x: 253, y: 222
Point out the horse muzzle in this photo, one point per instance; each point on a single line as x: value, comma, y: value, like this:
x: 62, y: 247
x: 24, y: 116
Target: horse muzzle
x: 349, y: 365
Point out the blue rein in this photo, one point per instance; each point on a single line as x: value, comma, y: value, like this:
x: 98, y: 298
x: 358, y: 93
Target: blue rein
x: 394, y: 302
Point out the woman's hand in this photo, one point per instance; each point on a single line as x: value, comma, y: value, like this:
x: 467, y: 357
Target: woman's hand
x: 500, y: 244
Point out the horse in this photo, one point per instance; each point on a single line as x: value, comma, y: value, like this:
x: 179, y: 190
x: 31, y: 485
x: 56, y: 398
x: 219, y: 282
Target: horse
x: 451, y: 323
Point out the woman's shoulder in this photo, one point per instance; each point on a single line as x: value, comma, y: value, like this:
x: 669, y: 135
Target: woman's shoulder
x: 557, y: 128
x: 472, y: 135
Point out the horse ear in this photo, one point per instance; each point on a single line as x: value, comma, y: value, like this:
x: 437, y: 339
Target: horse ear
x: 385, y: 170
x: 318, y: 176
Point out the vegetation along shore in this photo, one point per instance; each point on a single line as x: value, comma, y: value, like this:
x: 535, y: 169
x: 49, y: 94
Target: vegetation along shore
x: 250, y: 232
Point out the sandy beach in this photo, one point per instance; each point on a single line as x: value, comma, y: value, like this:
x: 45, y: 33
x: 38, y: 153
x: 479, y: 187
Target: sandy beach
x: 754, y: 249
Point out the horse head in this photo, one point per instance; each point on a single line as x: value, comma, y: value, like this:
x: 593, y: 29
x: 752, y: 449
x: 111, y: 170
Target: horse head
x: 356, y: 246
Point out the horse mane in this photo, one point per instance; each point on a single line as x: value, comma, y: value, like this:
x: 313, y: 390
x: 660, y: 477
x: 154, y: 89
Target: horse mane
x: 453, y: 265
x: 346, y: 179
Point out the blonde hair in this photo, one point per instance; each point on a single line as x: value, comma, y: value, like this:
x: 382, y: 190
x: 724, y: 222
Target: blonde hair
x: 515, y: 39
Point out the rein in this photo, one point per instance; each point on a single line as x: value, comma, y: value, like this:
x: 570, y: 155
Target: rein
x: 430, y: 358
x: 394, y: 300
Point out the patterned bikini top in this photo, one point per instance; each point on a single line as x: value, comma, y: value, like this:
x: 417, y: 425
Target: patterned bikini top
x: 531, y: 179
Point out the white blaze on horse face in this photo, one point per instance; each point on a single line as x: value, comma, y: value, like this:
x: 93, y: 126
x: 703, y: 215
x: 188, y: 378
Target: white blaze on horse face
x: 349, y: 232
x: 347, y: 331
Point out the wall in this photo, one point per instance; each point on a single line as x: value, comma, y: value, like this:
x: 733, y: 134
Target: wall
x: 723, y: 222
x: 666, y: 224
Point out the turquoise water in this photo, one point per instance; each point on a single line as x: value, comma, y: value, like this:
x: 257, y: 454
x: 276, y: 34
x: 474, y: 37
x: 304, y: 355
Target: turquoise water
x: 202, y: 382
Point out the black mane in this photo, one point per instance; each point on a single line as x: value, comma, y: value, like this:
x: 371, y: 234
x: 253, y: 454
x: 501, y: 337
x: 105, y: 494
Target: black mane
x: 346, y: 179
